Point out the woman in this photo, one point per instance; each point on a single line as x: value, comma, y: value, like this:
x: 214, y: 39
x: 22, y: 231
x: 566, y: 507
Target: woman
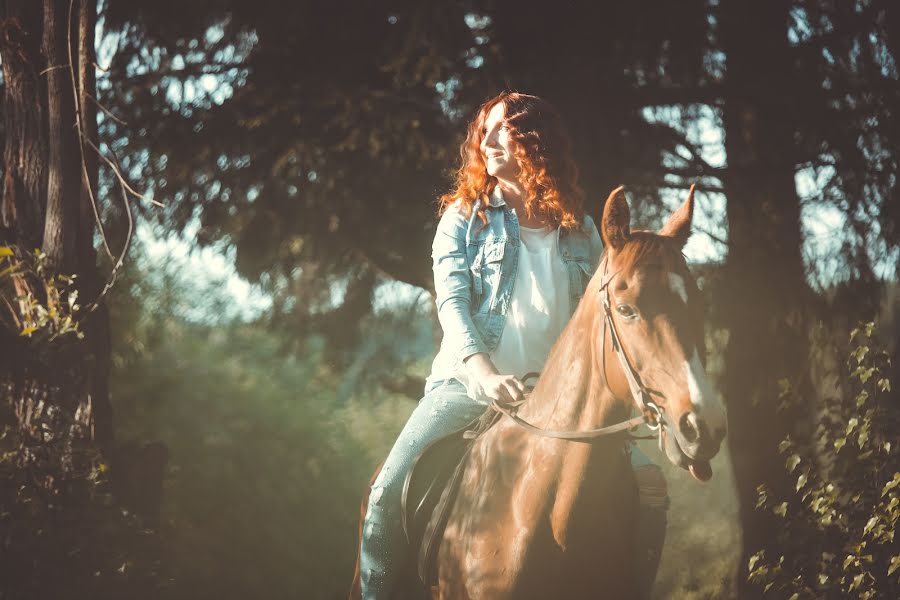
x: 512, y: 254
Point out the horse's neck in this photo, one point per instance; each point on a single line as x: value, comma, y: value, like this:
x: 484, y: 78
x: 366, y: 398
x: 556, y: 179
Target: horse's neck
x: 573, y: 394
x: 517, y: 482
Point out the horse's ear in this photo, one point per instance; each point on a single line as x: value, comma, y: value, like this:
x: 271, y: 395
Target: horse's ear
x: 616, y: 225
x: 678, y: 226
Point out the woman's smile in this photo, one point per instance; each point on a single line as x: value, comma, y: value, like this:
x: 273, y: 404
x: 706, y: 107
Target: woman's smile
x: 497, y: 144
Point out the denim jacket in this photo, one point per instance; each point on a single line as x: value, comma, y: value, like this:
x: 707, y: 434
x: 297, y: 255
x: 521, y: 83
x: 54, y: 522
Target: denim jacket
x: 475, y: 270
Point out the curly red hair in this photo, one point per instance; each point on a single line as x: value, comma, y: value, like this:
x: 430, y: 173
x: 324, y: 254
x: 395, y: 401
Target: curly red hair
x: 543, y: 150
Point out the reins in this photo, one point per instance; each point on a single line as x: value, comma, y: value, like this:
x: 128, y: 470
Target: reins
x: 651, y: 413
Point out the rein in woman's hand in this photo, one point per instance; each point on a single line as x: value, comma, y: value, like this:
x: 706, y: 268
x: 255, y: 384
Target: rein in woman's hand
x: 503, y: 388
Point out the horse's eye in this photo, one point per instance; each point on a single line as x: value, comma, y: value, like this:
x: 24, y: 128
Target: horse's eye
x: 626, y: 311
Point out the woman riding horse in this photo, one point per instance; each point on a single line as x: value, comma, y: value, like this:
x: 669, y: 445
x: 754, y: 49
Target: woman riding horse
x: 513, y: 253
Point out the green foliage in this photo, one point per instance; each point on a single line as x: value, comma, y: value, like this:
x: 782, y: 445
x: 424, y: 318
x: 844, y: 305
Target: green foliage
x: 44, y: 305
x: 268, y: 459
x: 840, y: 524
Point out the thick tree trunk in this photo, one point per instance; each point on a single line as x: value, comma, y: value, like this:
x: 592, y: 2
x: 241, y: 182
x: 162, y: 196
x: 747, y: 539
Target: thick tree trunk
x: 25, y: 143
x: 766, y: 288
x: 64, y: 176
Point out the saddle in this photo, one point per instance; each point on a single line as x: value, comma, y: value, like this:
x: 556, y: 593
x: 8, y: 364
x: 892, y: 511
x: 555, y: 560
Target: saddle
x: 430, y: 489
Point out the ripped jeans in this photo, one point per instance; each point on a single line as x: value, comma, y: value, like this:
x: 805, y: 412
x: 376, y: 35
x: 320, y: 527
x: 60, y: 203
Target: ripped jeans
x: 446, y: 408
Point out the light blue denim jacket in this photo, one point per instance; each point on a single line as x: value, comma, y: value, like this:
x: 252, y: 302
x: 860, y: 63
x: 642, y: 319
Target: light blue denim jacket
x: 474, y: 272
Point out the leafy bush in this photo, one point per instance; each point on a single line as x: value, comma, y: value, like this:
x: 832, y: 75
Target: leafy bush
x: 838, y: 535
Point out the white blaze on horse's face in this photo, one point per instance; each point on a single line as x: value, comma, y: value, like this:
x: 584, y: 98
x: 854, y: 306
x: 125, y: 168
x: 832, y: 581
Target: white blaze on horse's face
x: 706, y: 402
x: 676, y: 282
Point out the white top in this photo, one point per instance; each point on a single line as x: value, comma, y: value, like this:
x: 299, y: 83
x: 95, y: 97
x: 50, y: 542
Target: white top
x: 539, y: 307
x: 538, y: 311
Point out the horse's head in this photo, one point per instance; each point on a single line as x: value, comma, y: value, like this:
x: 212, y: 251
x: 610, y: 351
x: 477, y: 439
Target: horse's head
x: 658, y: 314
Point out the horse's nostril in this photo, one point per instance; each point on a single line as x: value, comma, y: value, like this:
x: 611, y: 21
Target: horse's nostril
x: 720, y: 433
x: 689, y: 427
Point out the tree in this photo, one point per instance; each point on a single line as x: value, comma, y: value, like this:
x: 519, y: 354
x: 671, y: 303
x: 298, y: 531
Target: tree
x: 49, y: 180
x: 767, y: 294
x: 54, y: 327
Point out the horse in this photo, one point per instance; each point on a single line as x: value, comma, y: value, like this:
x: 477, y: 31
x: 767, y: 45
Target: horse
x: 546, y: 505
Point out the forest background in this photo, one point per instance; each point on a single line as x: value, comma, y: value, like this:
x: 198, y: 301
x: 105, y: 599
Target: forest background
x: 253, y: 291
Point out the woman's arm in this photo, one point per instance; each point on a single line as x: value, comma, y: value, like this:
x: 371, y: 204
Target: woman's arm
x: 453, y: 286
x: 453, y: 291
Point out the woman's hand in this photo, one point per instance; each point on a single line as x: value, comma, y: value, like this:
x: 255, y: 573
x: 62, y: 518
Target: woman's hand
x: 503, y: 388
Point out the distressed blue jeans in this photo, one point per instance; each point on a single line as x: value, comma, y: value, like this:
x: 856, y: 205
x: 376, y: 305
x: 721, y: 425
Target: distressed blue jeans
x: 446, y: 408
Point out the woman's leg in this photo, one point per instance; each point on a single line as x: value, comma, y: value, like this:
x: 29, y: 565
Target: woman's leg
x: 651, y: 526
x: 443, y: 410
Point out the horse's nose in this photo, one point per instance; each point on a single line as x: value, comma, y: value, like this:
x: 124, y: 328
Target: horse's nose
x: 700, y: 438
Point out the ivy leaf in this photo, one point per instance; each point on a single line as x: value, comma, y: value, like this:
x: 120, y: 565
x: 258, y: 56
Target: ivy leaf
x: 781, y: 509
x: 816, y: 504
x: 891, y: 484
x: 801, y: 481
x: 895, y: 564
x: 753, y: 560
x: 870, y: 524
x: 863, y: 437
x: 870, y: 328
x: 792, y: 462
x: 884, y: 385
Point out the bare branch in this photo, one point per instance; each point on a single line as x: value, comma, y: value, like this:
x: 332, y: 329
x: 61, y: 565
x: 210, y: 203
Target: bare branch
x: 121, y: 177
x: 105, y: 110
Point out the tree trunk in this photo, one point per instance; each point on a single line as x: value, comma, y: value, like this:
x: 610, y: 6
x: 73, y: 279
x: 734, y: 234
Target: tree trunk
x: 96, y: 325
x: 48, y: 381
x: 766, y: 287
x: 63, y: 176
x: 25, y: 143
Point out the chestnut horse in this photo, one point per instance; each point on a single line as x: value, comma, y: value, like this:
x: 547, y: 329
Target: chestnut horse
x: 538, y: 517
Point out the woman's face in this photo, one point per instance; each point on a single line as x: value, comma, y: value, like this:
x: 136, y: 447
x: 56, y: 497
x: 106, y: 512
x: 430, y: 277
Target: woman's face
x: 497, y: 145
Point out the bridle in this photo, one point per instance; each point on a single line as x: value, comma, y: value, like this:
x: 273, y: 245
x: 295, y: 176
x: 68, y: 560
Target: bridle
x: 651, y: 414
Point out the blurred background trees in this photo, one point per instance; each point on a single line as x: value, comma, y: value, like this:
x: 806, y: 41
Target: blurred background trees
x: 307, y: 143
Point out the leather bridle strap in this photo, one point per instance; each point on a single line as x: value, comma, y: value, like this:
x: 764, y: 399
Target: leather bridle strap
x: 639, y: 392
